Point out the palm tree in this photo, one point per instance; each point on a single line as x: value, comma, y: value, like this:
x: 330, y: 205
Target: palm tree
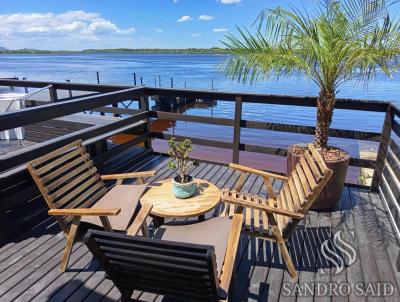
x: 340, y: 41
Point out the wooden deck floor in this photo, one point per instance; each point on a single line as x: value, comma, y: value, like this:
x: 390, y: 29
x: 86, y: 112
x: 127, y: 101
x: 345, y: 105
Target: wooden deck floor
x: 29, y: 264
x: 43, y: 131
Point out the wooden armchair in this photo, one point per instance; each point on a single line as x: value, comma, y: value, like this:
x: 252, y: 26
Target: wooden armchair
x: 275, y: 218
x: 76, y: 194
x: 187, y: 263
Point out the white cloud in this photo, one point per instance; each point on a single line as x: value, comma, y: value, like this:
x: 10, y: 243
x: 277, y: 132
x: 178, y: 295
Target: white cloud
x: 205, y: 17
x: 184, y: 19
x: 219, y: 30
x: 158, y: 30
x: 175, y: 1
x: 197, y: 34
x: 80, y: 22
x: 70, y: 25
x: 229, y: 1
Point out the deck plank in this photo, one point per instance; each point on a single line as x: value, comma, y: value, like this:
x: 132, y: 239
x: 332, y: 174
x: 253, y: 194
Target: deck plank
x: 377, y: 244
x: 338, y: 274
x: 391, y: 242
x: 368, y: 262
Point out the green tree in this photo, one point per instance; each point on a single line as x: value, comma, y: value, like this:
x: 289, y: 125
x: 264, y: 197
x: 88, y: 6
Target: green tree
x: 337, y: 42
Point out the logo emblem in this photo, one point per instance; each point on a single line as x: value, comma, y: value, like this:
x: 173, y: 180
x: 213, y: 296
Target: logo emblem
x: 337, y: 254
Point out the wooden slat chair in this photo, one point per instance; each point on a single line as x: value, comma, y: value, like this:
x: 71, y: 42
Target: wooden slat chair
x: 75, y: 192
x: 190, y: 268
x: 275, y: 218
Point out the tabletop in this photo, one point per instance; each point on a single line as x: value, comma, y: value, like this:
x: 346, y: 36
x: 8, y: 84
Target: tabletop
x: 165, y: 204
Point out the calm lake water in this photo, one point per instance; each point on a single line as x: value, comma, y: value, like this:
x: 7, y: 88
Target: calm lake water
x: 197, y: 71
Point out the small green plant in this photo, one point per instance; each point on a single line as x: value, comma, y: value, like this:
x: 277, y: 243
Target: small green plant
x: 361, y: 179
x: 179, y: 152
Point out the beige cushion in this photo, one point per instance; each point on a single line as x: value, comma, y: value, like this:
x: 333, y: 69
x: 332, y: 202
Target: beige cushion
x: 213, y: 232
x: 125, y: 197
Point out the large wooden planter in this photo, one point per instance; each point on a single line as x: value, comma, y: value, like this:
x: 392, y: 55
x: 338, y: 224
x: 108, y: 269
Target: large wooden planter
x: 332, y: 192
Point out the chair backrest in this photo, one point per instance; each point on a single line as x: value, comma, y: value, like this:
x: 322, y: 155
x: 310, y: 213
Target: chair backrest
x: 305, y: 182
x: 156, y: 266
x: 67, y: 178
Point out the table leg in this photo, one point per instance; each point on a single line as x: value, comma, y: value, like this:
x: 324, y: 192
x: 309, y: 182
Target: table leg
x: 158, y: 221
x: 202, y: 217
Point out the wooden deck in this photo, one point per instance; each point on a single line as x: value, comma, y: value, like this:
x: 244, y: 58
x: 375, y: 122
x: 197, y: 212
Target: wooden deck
x: 47, y: 130
x: 29, y: 264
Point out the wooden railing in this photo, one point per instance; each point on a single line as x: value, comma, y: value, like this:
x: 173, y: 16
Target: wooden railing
x: 238, y: 122
x: 90, y: 134
x: 19, y: 188
x: 387, y: 171
x: 111, y: 94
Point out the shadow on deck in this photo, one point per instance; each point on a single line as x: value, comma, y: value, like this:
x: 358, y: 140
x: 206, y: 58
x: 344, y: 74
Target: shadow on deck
x: 29, y: 264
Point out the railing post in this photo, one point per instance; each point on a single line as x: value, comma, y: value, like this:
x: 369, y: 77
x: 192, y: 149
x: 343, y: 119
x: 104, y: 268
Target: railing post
x: 383, y: 149
x: 26, y: 88
x: 53, y: 94
x: 69, y: 90
x: 236, y: 130
x: 144, y: 105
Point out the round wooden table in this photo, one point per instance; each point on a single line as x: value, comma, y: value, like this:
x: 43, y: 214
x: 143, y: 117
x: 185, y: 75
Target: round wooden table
x: 166, y: 205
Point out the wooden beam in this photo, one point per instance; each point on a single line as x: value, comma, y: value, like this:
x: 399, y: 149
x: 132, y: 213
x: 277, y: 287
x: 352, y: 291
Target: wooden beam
x: 366, y: 105
x: 395, y: 148
x: 116, y: 111
x: 383, y: 149
x: 53, y: 94
x: 236, y: 130
x: 64, y: 85
x: 195, y: 140
x: 348, y: 134
x: 28, y: 116
x: 85, y: 212
x: 191, y: 118
x: 144, y: 106
x: 396, y: 109
x: 396, y: 128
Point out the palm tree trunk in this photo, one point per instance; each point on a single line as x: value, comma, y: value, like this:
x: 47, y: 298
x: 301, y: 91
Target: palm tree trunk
x: 325, y: 104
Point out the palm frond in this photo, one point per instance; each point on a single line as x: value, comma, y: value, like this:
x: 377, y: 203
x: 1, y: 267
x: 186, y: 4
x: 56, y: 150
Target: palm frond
x: 341, y: 40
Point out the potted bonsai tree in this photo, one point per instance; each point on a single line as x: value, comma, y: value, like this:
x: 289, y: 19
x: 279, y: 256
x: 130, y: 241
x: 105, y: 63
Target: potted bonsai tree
x: 341, y: 40
x: 183, y: 183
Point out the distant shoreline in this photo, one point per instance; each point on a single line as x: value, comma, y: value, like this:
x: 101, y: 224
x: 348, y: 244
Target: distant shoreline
x: 214, y: 50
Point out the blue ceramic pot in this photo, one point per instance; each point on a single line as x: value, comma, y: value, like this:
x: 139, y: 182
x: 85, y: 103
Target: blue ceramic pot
x: 183, y: 190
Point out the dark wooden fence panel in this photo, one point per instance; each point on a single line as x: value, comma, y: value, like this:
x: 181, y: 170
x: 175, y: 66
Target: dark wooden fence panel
x: 389, y: 185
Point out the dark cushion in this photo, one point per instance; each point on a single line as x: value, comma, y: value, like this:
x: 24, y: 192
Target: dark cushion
x: 213, y: 232
x: 125, y: 197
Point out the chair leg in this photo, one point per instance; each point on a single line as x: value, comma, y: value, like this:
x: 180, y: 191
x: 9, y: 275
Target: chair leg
x: 288, y: 260
x: 70, y: 242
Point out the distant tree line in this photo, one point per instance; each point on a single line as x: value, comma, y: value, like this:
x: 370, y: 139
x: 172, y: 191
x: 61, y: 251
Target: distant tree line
x: 213, y: 50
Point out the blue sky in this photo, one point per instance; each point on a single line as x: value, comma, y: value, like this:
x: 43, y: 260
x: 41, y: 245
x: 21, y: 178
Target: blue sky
x: 82, y: 24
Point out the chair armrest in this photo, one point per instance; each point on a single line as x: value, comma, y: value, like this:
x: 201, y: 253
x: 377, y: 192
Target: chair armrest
x: 85, y: 212
x: 140, y: 219
x: 230, y: 255
x: 262, y: 207
x: 257, y: 172
x: 129, y: 175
